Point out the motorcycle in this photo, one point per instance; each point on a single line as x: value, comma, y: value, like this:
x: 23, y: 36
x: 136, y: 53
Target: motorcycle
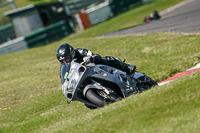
x: 153, y: 16
x: 99, y: 85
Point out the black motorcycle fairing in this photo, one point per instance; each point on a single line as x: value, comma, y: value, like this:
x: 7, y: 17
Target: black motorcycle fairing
x: 138, y: 75
x: 100, y: 81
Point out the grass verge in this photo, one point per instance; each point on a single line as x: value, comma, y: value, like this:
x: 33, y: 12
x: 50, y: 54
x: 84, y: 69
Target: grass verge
x: 32, y: 101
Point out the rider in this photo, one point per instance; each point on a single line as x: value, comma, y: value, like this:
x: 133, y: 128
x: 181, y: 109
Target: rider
x: 65, y: 53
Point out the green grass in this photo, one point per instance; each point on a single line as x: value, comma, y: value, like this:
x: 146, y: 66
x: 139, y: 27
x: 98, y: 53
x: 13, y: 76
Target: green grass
x: 30, y: 89
x: 32, y: 101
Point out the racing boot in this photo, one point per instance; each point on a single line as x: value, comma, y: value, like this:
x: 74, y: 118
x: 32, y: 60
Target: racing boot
x: 129, y: 69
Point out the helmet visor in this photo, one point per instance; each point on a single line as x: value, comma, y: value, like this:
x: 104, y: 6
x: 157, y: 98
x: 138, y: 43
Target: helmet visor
x: 66, y: 60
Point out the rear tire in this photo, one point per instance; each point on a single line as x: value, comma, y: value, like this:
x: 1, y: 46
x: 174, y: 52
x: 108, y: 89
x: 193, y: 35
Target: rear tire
x: 142, y: 85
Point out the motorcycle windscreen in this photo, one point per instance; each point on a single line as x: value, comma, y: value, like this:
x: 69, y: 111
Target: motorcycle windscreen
x: 64, y: 72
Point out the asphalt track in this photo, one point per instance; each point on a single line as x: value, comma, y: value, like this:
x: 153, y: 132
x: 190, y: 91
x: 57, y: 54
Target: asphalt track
x: 188, y: 22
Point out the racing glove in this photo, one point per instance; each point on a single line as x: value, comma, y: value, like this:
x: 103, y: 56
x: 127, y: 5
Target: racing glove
x: 96, y: 59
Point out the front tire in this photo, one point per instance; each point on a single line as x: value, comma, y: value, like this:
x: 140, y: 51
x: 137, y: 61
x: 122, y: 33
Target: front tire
x: 90, y: 107
x: 95, y: 98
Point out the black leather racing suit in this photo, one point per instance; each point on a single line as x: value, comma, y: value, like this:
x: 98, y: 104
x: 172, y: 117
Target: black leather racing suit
x: 80, y: 53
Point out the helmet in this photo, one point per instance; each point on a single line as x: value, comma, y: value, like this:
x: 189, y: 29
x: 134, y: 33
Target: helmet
x: 65, y: 53
x: 155, y: 15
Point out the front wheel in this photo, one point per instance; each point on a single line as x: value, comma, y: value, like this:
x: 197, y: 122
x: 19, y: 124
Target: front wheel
x: 90, y: 107
x: 100, y: 98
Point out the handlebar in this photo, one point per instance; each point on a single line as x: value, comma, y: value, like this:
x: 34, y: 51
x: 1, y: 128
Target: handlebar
x: 86, y: 61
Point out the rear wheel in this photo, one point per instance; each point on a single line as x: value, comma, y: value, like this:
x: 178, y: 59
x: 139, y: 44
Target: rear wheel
x: 145, y: 82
